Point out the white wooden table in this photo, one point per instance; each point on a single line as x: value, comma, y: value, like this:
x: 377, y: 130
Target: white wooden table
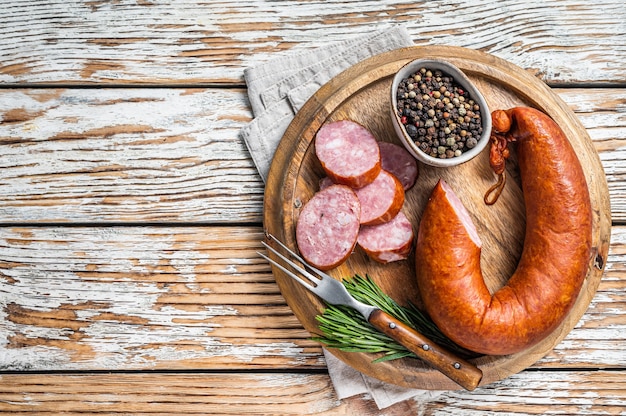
x: 131, y: 211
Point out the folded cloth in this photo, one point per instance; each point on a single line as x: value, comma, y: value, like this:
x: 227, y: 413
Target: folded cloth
x: 277, y: 89
x: 349, y: 382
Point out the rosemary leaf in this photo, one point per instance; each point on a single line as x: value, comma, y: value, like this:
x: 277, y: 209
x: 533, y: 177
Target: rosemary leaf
x: 347, y: 330
x: 393, y: 356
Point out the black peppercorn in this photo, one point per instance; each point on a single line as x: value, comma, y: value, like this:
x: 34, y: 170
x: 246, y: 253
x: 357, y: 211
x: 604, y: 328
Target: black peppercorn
x: 411, y: 130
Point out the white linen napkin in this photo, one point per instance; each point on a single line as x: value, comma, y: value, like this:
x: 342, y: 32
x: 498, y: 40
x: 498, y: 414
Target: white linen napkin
x: 277, y: 89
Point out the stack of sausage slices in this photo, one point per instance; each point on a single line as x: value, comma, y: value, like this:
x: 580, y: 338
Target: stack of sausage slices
x: 360, y: 200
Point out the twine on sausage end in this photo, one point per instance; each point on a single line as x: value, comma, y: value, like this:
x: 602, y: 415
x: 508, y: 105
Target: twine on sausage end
x: 493, y: 193
x: 499, y: 153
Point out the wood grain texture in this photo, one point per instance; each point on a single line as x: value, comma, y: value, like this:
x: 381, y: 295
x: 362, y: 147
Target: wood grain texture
x: 529, y: 393
x: 116, y: 155
x: 604, y: 119
x: 175, y: 155
x: 122, y: 298
x: 158, y: 41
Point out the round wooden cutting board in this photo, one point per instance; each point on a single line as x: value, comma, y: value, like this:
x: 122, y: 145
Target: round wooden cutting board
x: 362, y: 94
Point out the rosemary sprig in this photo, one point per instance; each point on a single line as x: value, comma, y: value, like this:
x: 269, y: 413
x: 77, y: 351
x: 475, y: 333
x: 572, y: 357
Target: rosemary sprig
x: 345, y: 329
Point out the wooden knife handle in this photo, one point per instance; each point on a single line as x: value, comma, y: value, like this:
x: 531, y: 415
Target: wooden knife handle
x: 464, y: 373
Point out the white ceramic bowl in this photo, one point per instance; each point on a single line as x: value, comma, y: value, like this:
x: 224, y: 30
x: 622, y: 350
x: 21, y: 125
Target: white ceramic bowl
x: 460, y: 79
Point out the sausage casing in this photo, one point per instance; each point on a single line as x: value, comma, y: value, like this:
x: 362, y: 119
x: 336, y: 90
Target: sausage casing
x: 554, y: 260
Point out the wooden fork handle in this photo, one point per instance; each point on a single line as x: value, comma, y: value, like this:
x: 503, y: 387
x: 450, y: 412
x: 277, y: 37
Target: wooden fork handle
x: 464, y: 373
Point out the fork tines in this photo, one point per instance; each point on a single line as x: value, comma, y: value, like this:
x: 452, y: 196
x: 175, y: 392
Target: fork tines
x: 311, y: 279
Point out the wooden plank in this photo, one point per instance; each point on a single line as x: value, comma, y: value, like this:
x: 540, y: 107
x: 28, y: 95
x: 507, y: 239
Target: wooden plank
x: 114, y: 298
x: 604, y: 117
x: 77, y: 156
x: 121, y: 298
x: 527, y: 393
x: 175, y: 155
x: 539, y: 393
x: 213, y: 41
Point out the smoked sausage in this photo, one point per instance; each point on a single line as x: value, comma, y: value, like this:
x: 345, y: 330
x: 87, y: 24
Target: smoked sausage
x: 398, y: 161
x: 328, y: 227
x: 381, y: 200
x: 554, y: 259
x: 387, y: 242
x: 348, y: 153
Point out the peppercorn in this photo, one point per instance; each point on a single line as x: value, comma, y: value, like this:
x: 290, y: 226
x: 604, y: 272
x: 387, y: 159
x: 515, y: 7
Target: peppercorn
x: 411, y: 130
x: 437, y: 114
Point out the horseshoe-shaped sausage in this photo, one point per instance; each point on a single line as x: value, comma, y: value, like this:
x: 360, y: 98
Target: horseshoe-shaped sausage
x: 554, y: 260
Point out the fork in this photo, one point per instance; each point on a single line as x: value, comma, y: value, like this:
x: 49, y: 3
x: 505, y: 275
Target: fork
x: 464, y: 373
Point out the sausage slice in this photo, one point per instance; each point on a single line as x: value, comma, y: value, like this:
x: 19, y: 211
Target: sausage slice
x: 328, y: 227
x: 348, y: 152
x: 381, y: 200
x: 398, y: 161
x: 387, y: 242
